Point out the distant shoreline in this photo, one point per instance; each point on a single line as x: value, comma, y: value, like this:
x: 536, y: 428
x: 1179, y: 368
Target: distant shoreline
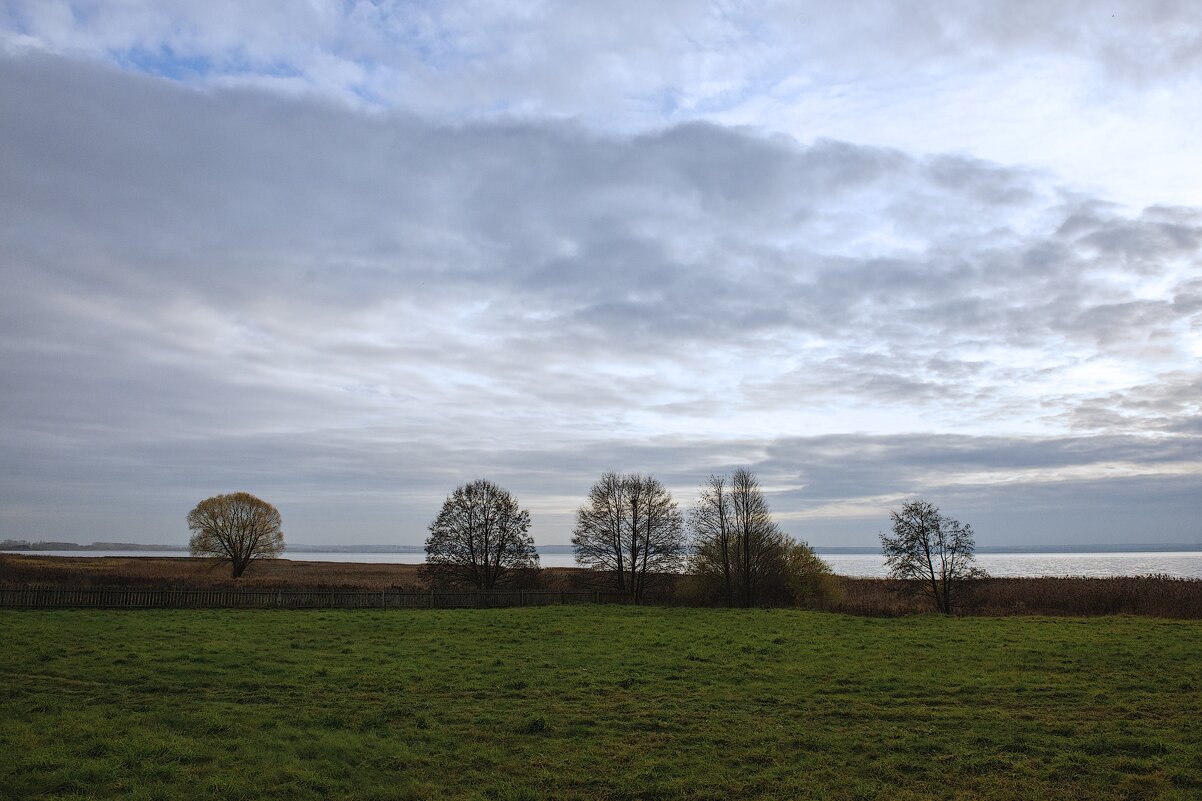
x: 41, y: 546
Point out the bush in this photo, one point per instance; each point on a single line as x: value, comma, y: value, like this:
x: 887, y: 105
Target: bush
x: 810, y: 580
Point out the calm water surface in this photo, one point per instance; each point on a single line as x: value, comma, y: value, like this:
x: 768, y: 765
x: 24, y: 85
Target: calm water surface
x: 1183, y: 564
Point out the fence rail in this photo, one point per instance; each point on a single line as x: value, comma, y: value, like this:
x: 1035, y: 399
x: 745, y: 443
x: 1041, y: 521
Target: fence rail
x: 230, y: 598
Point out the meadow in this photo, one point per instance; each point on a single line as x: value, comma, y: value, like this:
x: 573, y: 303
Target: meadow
x: 591, y: 702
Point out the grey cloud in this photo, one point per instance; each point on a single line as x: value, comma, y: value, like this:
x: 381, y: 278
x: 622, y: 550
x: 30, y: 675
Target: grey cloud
x: 951, y: 453
x: 1023, y: 509
x: 1172, y: 403
x: 1111, y: 323
x: 386, y: 204
x: 984, y: 182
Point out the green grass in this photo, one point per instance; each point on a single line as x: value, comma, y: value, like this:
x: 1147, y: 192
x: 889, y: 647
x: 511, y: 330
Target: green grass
x: 595, y: 702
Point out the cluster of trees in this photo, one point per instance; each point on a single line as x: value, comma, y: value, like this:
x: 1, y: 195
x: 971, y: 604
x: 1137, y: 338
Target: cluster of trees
x: 632, y: 533
x: 740, y: 549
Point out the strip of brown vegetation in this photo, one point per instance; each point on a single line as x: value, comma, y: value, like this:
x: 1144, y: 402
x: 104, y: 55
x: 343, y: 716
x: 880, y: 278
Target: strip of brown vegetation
x: 1158, y: 596
x: 159, y: 571
x: 29, y: 570
x: 1155, y: 596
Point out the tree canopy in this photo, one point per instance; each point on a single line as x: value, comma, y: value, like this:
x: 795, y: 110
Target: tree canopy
x: 238, y: 527
x: 930, y: 549
x: 631, y: 529
x: 480, y: 538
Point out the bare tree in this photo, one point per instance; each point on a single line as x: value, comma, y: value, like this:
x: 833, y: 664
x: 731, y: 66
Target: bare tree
x: 632, y: 529
x: 713, y: 531
x: 761, y: 545
x: 736, y: 542
x: 238, y: 527
x: 480, y: 538
x: 930, y: 549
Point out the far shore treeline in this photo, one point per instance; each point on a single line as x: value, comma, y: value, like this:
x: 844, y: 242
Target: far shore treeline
x: 51, y: 545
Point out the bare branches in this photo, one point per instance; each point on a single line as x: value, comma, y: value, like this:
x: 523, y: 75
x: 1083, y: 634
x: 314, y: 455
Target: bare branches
x: 712, y: 525
x: 238, y: 527
x: 479, y: 538
x: 736, y: 542
x: 930, y: 549
x: 630, y: 528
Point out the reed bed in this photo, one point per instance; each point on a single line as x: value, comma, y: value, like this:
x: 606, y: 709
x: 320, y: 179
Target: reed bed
x: 1157, y: 596
x: 188, y: 572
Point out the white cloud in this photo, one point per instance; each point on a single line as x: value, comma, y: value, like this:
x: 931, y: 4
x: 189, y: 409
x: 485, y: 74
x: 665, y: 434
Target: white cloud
x: 219, y: 289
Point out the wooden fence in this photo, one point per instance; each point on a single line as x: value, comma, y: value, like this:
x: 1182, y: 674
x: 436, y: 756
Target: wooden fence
x: 235, y: 598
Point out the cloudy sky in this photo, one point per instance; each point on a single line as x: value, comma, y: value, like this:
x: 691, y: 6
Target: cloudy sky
x: 347, y: 255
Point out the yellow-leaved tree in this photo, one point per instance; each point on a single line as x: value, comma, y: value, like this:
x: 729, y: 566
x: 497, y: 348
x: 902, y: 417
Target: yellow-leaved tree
x: 238, y: 527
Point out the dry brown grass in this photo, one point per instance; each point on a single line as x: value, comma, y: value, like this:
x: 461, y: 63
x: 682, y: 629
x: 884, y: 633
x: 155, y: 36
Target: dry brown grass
x: 1158, y: 596
x: 159, y: 571
x: 182, y: 571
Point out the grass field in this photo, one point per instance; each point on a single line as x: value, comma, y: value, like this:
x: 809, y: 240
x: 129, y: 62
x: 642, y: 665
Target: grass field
x: 596, y: 702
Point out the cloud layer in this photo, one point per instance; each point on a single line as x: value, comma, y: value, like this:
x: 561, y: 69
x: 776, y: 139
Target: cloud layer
x: 350, y: 311
x: 1106, y: 93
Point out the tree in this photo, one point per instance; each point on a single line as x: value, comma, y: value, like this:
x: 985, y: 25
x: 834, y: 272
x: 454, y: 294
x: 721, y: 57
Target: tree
x: 930, y: 549
x: 630, y: 528
x: 238, y: 527
x: 713, y: 536
x: 479, y: 538
x: 736, y: 542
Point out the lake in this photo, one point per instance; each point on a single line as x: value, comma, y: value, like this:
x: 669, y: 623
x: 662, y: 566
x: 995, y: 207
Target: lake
x: 1182, y: 564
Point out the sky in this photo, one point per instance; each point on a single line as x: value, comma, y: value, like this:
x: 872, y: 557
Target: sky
x: 347, y: 256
